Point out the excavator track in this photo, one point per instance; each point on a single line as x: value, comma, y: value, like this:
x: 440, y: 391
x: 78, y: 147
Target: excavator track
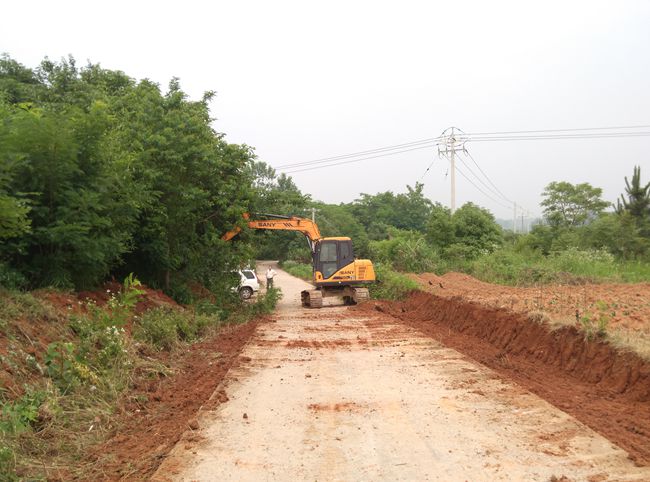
x: 361, y: 295
x: 312, y: 299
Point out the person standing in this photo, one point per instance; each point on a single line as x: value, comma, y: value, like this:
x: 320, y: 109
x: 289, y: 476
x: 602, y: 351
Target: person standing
x: 270, y: 274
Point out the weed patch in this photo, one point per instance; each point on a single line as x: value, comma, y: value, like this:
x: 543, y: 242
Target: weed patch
x: 390, y: 284
x: 65, y: 392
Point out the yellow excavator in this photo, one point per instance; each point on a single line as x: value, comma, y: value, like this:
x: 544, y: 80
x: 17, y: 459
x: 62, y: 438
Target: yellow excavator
x: 335, y: 271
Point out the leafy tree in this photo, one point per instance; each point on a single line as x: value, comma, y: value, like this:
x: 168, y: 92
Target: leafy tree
x: 404, y: 251
x: 566, y: 204
x: 104, y: 175
x: 412, y: 209
x: 466, y: 233
x: 277, y: 194
x: 476, y: 227
x: 13, y: 209
x: 194, y: 184
x: 13, y: 217
x: 273, y: 193
x: 617, y: 233
x: 18, y: 84
x: 409, y: 211
x: 440, y: 227
x: 76, y: 210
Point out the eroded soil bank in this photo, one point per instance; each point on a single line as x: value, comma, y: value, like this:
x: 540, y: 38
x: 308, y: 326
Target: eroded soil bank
x: 625, y: 305
x: 606, y: 389
x: 162, y: 409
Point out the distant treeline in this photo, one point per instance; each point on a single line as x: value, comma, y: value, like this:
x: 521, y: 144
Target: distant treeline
x: 102, y: 175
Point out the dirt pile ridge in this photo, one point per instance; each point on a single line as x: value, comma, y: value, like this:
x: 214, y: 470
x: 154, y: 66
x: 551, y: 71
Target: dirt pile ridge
x: 606, y: 389
x: 625, y: 305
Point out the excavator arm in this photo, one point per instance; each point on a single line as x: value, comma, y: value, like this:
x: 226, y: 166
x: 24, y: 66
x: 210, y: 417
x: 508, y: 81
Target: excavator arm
x: 285, y: 223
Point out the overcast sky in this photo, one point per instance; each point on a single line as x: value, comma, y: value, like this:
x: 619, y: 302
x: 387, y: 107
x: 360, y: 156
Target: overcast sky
x: 305, y: 80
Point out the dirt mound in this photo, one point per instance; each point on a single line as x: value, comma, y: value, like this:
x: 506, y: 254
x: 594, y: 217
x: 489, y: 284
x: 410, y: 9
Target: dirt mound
x: 460, y: 277
x: 625, y: 306
x: 149, y: 299
x: 154, y: 299
x: 602, y: 387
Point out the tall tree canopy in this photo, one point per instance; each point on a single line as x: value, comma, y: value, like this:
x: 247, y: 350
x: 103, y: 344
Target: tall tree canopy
x: 409, y: 210
x: 103, y: 174
x: 567, y: 204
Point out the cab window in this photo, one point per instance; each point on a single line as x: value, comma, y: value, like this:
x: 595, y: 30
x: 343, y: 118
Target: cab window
x: 327, y: 258
x: 345, y: 250
x: 328, y: 252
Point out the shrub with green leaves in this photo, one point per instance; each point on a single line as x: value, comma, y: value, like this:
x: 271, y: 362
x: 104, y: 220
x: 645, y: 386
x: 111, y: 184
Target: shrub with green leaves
x: 390, y: 284
x: 158, y: 327
x: 19, y: 415
x: 404, y: 251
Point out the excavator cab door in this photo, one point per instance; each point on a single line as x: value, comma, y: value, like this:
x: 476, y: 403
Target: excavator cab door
x: 332, y: 255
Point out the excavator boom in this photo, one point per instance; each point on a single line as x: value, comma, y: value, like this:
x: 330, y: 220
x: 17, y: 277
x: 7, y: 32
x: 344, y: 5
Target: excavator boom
x: 284, y: 223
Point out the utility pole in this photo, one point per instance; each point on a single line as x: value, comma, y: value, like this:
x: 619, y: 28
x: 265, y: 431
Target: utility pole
x: 448, y: 145
x: 313, y: 215
x: 514, y: 217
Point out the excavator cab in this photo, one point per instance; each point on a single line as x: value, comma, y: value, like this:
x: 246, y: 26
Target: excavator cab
x: 331, y: 255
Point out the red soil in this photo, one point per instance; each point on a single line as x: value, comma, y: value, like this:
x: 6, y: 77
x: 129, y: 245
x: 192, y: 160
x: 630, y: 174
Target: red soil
x: 626, y: 305
x: 605, y: 389
x: 148, y: 429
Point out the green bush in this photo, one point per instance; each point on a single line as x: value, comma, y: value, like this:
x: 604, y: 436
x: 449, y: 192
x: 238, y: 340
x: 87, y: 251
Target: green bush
x: 522, y: 265
x: 159, y: 327
x: 266, y: 303
x: 390, y: 284
x: 21, y: 414
x: 405, y: 251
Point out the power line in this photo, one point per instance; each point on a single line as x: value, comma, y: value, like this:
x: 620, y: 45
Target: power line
x: 497, y: 136
x: 427, y: 170
x: 478, y: 188
x: 291, y: 171
x: 561, y: 130
x: 542, y: 137
x: 360, y: 153
x: 486, y: 177
x: 478, y: 178
x: 494, y: 188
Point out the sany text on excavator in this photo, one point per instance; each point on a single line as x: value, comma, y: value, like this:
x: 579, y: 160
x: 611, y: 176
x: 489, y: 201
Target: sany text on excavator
x: 335, y: 271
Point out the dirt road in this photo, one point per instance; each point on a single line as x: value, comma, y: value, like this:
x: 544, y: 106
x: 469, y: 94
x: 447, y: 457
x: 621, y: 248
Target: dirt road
x: 337, y: 394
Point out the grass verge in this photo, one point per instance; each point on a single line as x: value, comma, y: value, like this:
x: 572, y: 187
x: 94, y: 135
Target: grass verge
x: 299, y: 270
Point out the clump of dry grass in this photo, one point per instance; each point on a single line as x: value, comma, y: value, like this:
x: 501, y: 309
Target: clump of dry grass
x: 539, y: 317
x: 631, y: 340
